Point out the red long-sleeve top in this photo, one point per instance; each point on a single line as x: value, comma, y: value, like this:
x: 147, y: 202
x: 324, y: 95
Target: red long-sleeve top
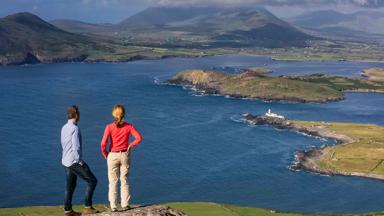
x: 119, y: 138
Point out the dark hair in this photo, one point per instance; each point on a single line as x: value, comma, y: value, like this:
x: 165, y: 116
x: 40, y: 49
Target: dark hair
x: 73, y: 112
x: 118, y: 113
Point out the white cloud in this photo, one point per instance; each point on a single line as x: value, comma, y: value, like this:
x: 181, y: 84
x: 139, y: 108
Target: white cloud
x: 362, y: 3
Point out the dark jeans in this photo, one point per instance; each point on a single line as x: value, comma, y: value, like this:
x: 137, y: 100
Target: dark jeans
x: 82, y: 171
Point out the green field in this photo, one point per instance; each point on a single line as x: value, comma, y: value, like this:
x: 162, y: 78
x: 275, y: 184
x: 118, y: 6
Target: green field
x: 342, y: 83
x: 364, y: 156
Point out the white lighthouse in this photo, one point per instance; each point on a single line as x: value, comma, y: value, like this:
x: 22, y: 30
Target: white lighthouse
x: 273, y: 115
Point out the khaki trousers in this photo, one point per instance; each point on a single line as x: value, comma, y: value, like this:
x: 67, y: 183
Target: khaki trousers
x: 118, y: 167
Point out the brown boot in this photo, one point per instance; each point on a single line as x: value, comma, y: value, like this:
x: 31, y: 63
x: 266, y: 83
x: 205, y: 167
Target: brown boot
x: 72, y: 213
x: 90, y: 210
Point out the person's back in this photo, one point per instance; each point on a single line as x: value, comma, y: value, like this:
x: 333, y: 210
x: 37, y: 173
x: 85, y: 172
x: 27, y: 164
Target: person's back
x: 72, y: 148
x: 119, y: 137
x: 74, y: 166
x: 118, y: 156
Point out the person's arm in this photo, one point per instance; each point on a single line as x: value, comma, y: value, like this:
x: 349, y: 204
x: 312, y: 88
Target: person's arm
x: 76, y: 145
x: 137, y: 137
x: 104, y: 142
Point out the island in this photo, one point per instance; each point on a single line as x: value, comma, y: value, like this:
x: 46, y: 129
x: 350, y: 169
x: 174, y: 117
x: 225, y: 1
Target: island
x: 254, y: 84
x: 359, y: 148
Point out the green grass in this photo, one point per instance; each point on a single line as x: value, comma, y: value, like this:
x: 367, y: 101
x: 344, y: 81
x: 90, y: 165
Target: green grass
x: 322, y: 50
x: 42, y: 210
x: 341, y: 83
x: 214, y: 209
x: 189, y: 208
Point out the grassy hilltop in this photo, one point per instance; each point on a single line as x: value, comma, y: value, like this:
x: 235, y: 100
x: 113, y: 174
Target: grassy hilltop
x: 189, y: 208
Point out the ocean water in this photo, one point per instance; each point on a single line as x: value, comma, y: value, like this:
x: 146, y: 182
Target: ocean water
x: 195, y: 147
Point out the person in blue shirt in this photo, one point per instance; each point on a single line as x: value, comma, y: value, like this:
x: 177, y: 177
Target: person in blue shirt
x: 71, y: 143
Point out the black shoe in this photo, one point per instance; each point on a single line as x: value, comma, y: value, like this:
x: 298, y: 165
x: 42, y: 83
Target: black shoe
x: 72, y: 213
x: 114, y: 210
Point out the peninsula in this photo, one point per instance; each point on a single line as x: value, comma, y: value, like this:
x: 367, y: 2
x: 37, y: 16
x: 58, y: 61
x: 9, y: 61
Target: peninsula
x: 255, y: 84
x: 359, y: 150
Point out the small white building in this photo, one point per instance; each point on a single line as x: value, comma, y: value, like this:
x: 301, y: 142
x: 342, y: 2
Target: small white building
x: 273, y: 115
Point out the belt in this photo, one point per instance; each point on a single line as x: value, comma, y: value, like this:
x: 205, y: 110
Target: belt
x: 125, y: 150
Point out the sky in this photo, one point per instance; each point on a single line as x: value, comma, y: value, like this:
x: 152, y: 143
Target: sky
x: 114, y: 11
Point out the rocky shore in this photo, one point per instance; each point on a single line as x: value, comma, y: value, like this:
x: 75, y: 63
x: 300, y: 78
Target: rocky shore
x: 314, y: 159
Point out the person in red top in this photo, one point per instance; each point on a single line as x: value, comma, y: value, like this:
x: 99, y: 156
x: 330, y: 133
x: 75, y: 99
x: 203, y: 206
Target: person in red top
x: 118, y: 156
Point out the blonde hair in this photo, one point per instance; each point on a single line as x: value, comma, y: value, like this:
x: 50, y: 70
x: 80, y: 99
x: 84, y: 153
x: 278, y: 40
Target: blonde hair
x: 118, y: 113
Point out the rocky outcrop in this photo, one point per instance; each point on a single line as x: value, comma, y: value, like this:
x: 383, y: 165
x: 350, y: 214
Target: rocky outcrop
x: 152, y: 210
x: 265, y: 120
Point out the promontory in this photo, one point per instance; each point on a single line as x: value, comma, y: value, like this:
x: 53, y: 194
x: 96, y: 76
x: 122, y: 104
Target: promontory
x: 359, y: 150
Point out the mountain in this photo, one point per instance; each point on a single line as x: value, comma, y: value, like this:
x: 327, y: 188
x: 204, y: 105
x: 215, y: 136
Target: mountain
x: 214, y: 26
x: 198, y: 27
x: 358, y: 24
x: 158, y: 16
x: 320, y: 18
x: 25, y: 38
x: 81, y: 27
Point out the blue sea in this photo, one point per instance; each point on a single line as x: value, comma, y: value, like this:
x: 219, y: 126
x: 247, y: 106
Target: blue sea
x: 195, y: 147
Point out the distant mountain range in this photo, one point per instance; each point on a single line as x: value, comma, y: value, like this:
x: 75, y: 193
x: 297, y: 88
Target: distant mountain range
x: 358, y: 24
x: 25, y: 38
x: 161, y: 32
x: 198, y: 26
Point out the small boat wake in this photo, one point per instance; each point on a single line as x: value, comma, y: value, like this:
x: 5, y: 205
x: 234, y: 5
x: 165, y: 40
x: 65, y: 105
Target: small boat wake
x: 157, y: 81
x: 160, y: 80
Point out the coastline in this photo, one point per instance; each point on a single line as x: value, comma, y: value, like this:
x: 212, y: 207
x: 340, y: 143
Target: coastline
x: 207, y: 53
x: 312, y: 159
x: 96, y: 60
x: 214, y: 92
x: 364, y: 91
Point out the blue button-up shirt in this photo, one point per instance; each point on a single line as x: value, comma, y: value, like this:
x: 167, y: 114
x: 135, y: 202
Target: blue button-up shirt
x: 71, y: 143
